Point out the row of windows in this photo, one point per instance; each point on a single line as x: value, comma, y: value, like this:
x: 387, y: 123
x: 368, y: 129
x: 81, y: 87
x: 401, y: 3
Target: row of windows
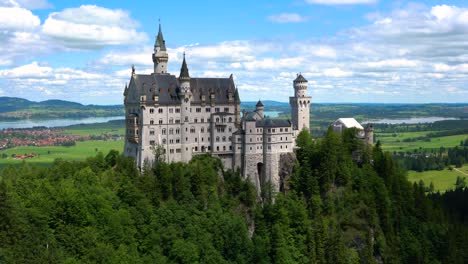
x: 261, y: 139
x: 192, y: 130
x: 195, y: 120
x: 202, y: 139
x: 269, y: 147
x: 196, y: 149
x: 198, y: 110
x: 259, y: 130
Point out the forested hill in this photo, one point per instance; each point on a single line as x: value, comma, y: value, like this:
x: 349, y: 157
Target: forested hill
x: 335, y: 211
x: 12, y: 108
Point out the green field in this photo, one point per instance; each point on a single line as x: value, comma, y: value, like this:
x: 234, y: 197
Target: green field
x: 113, y: 127
x: 442, y: 180
x: 396, y: 143
x: 47, y: 155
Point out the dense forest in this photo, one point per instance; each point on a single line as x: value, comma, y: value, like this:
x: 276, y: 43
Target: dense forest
x: 335, y: 210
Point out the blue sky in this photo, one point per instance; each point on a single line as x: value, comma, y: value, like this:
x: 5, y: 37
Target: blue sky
x: 349, y: 50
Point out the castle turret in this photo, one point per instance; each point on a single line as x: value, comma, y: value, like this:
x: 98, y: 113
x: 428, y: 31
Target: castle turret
x: 300, y: 104
x: 369, y: 134
x: 237, y: 108
x: 160, y: 56
x: 259, y: 108
x: 185, y: 96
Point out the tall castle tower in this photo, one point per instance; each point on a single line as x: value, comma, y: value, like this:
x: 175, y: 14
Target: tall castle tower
x: 185, y: 95
x: 300, y: 104
x: 160, y: 56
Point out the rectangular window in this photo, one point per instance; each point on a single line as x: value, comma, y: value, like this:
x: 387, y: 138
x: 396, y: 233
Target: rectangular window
x: 217, y: 109
x: 152, y: 142
x: 177, y: 110
x: 151, y: 110
x: 226, y: 109
x: 171, y: 110
x: 160, y: 110
x: 151, y: 132
x: 208, y: 109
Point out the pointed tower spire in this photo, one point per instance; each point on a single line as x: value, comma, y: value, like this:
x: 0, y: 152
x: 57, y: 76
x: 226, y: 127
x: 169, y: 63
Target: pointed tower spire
x: 184, y: 72
x: 160, y: 56
x: 160, y: 42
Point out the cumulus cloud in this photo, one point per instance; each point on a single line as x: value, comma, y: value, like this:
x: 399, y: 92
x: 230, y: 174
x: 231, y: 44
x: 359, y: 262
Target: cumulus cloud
x: 404, y: 55
x: 18, y: 18
x: 92, y: 27
x: 287, y: 18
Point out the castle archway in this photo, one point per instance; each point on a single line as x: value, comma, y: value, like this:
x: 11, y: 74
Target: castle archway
x: 259, y: 173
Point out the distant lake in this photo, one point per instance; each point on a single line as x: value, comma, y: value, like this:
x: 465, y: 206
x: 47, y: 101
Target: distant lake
x: 411, y: 120
x: 57, y: 122
x: 271, y: 113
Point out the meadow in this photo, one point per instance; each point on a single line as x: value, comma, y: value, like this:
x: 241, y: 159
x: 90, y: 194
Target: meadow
x: 442, y: 180
x: 395, y: 141
x: 46, y: 155
x: 116, y: 127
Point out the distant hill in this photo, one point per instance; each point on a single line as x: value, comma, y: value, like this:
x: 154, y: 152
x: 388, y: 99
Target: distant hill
x: 13, y: 108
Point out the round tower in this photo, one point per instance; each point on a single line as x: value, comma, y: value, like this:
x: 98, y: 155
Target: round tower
x: 160, y: 56
x: 369, y: 134
x: 259, y: 108
x: 300, y: 104
x: 185, y: 95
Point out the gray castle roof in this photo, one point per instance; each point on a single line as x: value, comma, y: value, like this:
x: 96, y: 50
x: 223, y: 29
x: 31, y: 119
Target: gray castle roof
x: 259, y: 104
x: 300, y: 78
x: 166, y: 87
x: 268, y: 122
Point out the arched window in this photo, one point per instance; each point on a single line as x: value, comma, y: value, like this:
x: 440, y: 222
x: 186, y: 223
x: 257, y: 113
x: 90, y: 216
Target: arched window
x: 217, y: 139
x: 224, y: 139
x: 151, y: 122
x: 171, y: 131
x: 163, y: 131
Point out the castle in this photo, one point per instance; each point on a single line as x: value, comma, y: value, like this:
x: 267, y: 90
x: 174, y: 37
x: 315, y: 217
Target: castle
x: 187, y: 116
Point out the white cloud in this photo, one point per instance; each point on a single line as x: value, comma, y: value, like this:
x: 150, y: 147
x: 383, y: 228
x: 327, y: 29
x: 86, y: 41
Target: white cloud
x: 17, y: 18
x: 128, y: 58
x: 271, y: 63
x: 341, y: 2
x: 34, y: 4
x: 393, y: 63
x: 322, y: 51
x: 287, y: 18
x: 92, y: 27
x: 336, y: 72
x: 33, y: 70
